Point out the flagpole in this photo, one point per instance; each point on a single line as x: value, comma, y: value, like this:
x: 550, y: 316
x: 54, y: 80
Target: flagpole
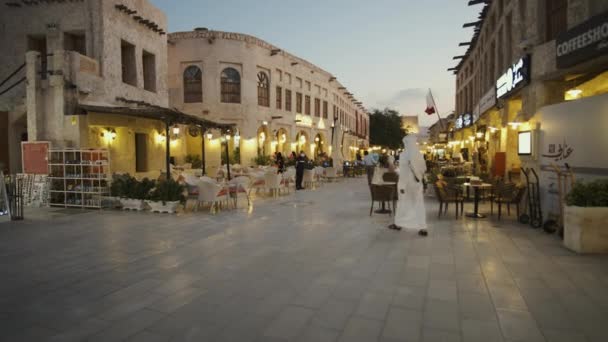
x: 436, y: 109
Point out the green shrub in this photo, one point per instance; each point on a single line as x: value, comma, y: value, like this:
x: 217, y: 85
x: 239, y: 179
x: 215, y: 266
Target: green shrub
x: 591, y: 194
x: 235, y: 156
x: 142, y: 189
x: 168, y: 191
x: 262, y: 160
x: 195, y: 160
x: 127, y: 186
x: 117, y: 187
x: 123, y: 185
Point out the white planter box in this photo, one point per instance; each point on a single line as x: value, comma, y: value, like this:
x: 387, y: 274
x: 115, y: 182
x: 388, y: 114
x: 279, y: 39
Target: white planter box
x: 159, y: 207
x: 585, y: 229
x: 132, y: 204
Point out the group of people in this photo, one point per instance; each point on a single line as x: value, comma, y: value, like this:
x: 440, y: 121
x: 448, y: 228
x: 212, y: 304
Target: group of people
x: 301, y: 162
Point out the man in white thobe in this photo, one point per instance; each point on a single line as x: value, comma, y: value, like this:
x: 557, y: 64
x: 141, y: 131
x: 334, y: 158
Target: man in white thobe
x: 411, y: 212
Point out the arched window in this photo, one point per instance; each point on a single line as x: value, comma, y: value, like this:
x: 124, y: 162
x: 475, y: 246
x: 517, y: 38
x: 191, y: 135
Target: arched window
x: 231, y: 86
x: 263, y: 89
x: 193, y: 84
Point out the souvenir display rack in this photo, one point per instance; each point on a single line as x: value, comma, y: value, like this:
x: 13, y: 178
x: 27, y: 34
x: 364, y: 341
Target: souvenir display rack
x: 78, y: 178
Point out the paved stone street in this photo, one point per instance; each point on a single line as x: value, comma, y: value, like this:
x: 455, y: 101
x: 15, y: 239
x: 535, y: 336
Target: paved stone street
x: 306, y: 267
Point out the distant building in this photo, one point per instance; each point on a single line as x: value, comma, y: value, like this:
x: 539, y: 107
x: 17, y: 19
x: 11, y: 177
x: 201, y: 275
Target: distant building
x: 410, y: 123
x: 279, y: 102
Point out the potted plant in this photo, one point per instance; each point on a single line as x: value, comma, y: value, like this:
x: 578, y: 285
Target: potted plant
x: 166, y: 196
x: 585, y: 217
x: 123, y: 187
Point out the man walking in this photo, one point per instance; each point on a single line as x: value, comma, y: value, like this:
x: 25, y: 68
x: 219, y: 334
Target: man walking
x: 368, y: 162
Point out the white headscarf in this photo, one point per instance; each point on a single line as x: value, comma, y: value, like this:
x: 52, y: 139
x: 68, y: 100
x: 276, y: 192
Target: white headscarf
x: 413, y: 156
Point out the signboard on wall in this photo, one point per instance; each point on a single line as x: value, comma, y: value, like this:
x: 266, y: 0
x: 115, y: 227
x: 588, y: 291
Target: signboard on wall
x: 583, y: 42
x: 514, y: 78
x: 487, y: 101
x: 34, y: 157
x: 463, y: 121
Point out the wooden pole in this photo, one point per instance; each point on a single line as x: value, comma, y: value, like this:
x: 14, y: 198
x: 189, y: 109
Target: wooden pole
x: 203, y: 152
x: 227, y: 159
x: 168, y: 148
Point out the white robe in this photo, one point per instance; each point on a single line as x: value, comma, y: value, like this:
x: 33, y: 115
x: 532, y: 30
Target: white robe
x: 411, y: 211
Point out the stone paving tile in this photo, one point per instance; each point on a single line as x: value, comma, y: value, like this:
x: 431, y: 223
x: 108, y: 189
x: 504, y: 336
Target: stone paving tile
x: 334, y: 313
x: 374, y: 306
x: 290, y: 323
x: 481, y: 330
x: 433, y: 335
x: 324, y: 272
x: 403, y: 325
x: 122, y: 329
x: 315, y: 333
x: 145, y: 336
x: 359, y: 329
x: 519, y: 326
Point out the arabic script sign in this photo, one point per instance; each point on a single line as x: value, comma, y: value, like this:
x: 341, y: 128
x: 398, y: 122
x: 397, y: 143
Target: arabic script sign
x: 559, y: 152
x: 516, y: 76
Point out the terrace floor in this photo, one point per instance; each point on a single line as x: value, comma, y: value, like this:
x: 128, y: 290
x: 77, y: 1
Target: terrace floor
x: 311, y: 266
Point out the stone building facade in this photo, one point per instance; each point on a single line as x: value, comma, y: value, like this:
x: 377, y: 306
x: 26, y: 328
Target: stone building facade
x: 80, y: 52
x: 279, y: 102
x: 72, y: 73
x: 511, y: 71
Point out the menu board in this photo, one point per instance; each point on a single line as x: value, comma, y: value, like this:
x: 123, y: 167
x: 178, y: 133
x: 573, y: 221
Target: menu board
x: 34, y: 157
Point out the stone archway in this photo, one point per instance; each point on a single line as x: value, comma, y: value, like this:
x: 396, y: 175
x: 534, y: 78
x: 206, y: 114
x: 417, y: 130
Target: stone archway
x: 302, y: 138
x: 281, y: 141
x: 320, y: 144
x: 263, y: 140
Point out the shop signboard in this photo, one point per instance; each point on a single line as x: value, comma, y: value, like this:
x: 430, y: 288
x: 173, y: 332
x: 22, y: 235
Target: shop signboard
x: 304, y: 120
x: 487, y: 101
x: 514, y: 78
x: 463, y: 121
x: 583, y: 42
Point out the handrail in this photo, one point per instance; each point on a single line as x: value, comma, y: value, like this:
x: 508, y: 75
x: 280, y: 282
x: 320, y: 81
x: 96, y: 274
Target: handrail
x: 13, y: 86
x: 12, y: 74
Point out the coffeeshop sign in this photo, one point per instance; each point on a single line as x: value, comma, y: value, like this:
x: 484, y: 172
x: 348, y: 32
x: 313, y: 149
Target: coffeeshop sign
x: 583, y: 42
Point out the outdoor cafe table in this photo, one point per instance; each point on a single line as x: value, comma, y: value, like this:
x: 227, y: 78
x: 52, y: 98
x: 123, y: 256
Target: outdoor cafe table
x: 476, y: 188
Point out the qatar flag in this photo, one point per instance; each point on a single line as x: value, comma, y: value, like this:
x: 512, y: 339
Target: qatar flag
x: 430, y: 104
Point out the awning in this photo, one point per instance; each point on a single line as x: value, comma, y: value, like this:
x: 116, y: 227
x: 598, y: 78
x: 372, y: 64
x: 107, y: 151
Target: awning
x: 168, y: 116
x: 147, y: 111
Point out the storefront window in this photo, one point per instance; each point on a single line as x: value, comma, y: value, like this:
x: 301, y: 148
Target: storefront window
x: 595, y: 86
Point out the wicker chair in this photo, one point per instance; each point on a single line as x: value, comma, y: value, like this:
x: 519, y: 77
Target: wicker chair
x: 447, y: 194
x: 382, y: 193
